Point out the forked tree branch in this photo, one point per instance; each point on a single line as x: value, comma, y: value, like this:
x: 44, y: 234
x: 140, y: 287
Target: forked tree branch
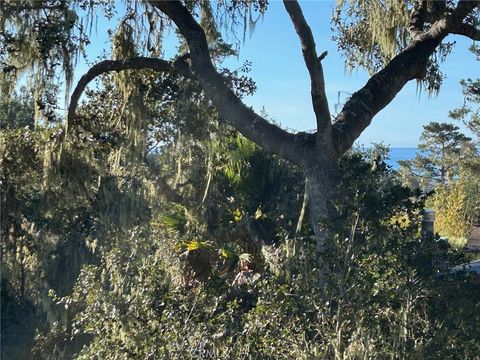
x: 357, y: 113
x: 243, y: 118
x: 315, y: 69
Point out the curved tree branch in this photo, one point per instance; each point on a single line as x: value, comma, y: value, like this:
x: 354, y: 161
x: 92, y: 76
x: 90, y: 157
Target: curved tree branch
x: 466, y: 30
x: 455, y: 22
x: 114, y: 65
x: 131, y: 64
x: 382, y: 87
x: 464, y: 7
x: 314, y: 66
x: 243, y: 118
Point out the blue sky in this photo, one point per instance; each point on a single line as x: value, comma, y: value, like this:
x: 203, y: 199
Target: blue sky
x: 284, y: 86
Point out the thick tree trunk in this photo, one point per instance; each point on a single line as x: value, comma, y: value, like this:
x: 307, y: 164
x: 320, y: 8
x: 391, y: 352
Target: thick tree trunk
x: 322, y: 180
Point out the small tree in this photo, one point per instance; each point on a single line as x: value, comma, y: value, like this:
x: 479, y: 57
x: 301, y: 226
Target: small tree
x: 451, y: 216
x: 442, y: 148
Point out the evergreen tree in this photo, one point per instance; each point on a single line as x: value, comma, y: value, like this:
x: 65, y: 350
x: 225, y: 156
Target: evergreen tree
x: 442, y: 149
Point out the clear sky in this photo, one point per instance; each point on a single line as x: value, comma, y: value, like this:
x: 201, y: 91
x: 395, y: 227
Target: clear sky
x: 284, y: 86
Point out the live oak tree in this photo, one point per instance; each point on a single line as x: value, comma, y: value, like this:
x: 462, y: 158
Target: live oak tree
x: 403, y: 48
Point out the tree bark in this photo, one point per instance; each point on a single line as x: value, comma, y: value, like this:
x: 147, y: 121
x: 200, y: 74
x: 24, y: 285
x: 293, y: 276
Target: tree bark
x: 322, y: 180
x: 315, y: 69
x: 316, y: 153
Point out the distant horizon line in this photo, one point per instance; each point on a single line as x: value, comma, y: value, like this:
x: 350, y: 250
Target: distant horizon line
x: 390, y: 147
x: 403, y: 147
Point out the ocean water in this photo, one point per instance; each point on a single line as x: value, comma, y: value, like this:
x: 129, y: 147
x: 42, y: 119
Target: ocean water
x: 397, y: 154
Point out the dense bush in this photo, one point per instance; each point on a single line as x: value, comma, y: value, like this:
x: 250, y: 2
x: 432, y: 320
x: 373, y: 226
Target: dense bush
x: 99, y: 263
x: 389, y: 294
